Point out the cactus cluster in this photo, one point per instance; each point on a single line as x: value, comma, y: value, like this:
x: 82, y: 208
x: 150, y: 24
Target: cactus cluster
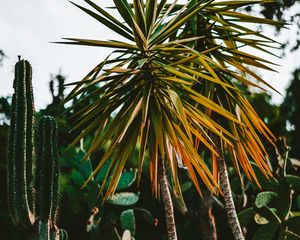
x: 272, y: 209
x: 32, y: 176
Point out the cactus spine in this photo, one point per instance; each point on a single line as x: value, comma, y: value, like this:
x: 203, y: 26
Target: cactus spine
x: 21, y: 147
x: 47, y: 171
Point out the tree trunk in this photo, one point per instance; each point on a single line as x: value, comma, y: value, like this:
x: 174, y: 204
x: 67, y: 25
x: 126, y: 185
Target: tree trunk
x: 207, y: 224
x: 229, y: 204
x: 167, y: 200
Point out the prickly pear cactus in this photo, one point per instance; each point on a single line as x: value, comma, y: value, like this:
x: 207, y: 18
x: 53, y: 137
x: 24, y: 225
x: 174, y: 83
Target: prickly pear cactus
x: 21, y: 147
x: 265, y: 198
x: 273, y: 209
x: 127, y: 179
x: 123, y: 198
x: 47, y: 171
x: 127, y: 220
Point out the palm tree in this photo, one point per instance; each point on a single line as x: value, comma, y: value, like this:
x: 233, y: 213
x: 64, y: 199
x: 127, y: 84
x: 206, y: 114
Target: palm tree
x: 162, y: 91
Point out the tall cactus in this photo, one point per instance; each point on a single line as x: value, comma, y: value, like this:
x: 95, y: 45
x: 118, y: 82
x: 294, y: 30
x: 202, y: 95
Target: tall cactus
x: 21, y: 147
x: 47, y: 171
x: 32, y: 199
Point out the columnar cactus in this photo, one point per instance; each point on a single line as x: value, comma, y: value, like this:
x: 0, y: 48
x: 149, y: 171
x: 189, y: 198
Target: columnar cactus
x: 32, y: 199
x: 47, y: 171
x: 21, y: 147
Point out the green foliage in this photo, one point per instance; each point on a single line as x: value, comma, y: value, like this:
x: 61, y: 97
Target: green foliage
x: 265, y: 198
x: 246, y: 216
x: 293, y: 224
x: 75, y: 175
x: 127, y: 220
x: 290, y: 109
x: 265, y: 214
x: 265, y: 183
x: 126, y: 180
x: 298, y: 202
x: 293, y: 181
x: 81, y: 169
x: 175, y: 82
x: 266, y: 232
x: 123, y: 199
x: 273, y: 209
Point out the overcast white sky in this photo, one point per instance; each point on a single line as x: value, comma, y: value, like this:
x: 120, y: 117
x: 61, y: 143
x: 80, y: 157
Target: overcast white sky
x: 27, y: 27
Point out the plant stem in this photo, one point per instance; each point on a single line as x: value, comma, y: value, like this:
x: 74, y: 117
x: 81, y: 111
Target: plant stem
x: 167, y: 200
x: 229, y: 203
x: 207, y: 224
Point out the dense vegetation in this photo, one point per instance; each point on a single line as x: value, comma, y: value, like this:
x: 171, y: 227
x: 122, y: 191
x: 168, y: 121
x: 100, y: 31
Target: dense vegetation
x: 268, y: 208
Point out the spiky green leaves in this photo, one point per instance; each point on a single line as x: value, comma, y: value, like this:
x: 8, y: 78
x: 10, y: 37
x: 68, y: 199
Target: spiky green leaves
x: 157, y: 91
x: 21, y: 146
x: 146, y: 87
x: 47, y: 171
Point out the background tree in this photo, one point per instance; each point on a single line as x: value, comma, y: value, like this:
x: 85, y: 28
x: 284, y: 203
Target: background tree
x: 281, y: 11
x: 2, y: 56
x: 290, y: 109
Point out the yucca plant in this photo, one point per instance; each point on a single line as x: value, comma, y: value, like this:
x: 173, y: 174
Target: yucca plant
x: 224, y: 28
x: 161, y: 89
